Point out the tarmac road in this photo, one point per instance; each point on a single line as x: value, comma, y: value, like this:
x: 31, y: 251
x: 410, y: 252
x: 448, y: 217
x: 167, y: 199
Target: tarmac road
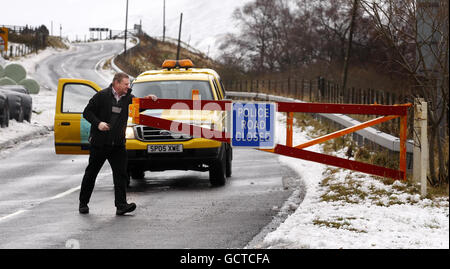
x: 175, y: 209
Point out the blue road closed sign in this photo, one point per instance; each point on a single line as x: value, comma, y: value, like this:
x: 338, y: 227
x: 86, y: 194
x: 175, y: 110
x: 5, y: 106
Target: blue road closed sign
x: 253, y: 125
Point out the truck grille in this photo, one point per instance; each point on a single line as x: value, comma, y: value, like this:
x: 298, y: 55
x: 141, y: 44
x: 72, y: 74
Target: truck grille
x: 147, y: 134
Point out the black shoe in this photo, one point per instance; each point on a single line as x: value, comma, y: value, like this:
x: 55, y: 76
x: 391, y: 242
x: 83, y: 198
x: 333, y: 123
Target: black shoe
x: 126, y: 208
x: 84, y: 209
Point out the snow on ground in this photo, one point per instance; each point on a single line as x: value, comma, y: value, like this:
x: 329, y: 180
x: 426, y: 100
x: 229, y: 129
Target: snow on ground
x: 43, y: 104
x: 341, y: 208
x: 348, y: 210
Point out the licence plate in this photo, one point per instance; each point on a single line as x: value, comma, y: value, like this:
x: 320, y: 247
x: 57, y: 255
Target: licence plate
x: 165, y: 148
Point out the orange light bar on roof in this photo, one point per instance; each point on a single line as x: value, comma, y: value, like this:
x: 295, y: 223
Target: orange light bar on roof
x: 186, y: 63
x: 169, y: 64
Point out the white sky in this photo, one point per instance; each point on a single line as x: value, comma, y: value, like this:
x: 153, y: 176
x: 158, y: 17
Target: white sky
x: 203, y: 20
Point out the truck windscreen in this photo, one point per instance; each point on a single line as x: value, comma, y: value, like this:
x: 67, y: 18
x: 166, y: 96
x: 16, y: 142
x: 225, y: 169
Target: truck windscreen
x: 173, y: 89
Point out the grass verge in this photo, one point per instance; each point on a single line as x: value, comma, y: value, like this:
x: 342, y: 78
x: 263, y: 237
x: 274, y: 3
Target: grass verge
x: 385, y: 192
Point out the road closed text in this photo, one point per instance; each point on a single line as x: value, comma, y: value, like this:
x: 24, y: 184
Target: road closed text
x: 253, y: 125
x: 235, y: 258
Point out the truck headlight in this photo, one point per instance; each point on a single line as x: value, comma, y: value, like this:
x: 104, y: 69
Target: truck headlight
x: 129, y: 133
x: 208, y: 125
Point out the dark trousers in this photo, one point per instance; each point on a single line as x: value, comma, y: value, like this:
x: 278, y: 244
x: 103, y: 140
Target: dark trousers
x: 117, y: 158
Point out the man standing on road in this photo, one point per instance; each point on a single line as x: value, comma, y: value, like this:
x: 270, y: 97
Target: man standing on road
x: 107, y: 111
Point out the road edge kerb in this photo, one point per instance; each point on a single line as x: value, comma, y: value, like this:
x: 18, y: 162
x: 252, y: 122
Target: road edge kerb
x: 293, y: 181
x: 113, y: 64
x: 41, y: 131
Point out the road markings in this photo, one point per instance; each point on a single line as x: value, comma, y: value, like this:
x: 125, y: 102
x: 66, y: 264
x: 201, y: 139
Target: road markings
x: 60, y: 195
x: 13, y: 214
x: 96, y: 68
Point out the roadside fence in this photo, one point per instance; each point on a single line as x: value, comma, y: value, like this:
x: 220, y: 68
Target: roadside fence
x: 323, y: 90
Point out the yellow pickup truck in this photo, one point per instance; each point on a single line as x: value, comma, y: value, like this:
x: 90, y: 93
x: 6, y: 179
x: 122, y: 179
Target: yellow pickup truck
x: 148, y: 148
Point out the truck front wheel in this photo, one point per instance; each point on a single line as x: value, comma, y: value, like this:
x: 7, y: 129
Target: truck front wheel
x: 229, y: 161
x: 217, y: 170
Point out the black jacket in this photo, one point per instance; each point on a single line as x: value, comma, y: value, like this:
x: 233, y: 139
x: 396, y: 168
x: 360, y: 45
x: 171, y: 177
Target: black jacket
x: 99, y: 109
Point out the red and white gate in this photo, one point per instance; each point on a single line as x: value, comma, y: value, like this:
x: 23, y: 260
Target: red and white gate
x: 387, y: 112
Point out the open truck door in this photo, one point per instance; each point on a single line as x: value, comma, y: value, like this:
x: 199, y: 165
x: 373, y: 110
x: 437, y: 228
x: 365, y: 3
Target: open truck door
x: 71, y: 129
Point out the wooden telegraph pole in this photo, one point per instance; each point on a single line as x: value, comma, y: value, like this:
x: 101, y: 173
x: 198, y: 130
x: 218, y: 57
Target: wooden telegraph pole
x: 164, y: 20
x: 179, y: 37
x: 126, y: 26
x: 349, y: 47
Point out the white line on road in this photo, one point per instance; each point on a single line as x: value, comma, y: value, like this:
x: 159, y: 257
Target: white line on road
x: 60, y: 195
x: 97, y: 67
x: 13, y: 215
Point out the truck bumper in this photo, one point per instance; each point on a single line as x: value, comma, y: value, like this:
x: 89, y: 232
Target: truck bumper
x: 190, y: 159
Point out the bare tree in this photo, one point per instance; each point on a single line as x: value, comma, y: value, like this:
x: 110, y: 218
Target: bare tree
x: 331, y: 23
x: 416, y: 34
x: 267, y: 40
x: 279, y: 35
x: 349, y: 46
x: 253, y: 44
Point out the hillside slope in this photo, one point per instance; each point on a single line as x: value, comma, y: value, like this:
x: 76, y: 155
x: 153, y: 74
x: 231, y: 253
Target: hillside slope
x: 151, y: 53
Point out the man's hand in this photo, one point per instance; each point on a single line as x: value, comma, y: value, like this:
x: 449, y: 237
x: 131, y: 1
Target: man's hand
x: 154, y: 98
x: 103, y: 126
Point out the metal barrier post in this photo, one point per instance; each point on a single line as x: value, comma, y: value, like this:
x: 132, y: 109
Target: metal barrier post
x: 403, y: 133
x: 424, y: 155
x: 420, y: 154
x: 289, y: 128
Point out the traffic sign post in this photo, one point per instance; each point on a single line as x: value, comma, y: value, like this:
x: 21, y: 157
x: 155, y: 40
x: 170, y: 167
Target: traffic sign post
x: 253, y: 125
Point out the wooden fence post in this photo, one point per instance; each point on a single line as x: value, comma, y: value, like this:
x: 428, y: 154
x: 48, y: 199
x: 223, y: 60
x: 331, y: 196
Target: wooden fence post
x: 335, y: 93
x: 310, y: 91
x: 360, y: 96
x: 279, y: 85
x: 354, y: 97
x: 289, y: 90
x: 328, y: 91
x: 303, y: 89
x: 319, y: 88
